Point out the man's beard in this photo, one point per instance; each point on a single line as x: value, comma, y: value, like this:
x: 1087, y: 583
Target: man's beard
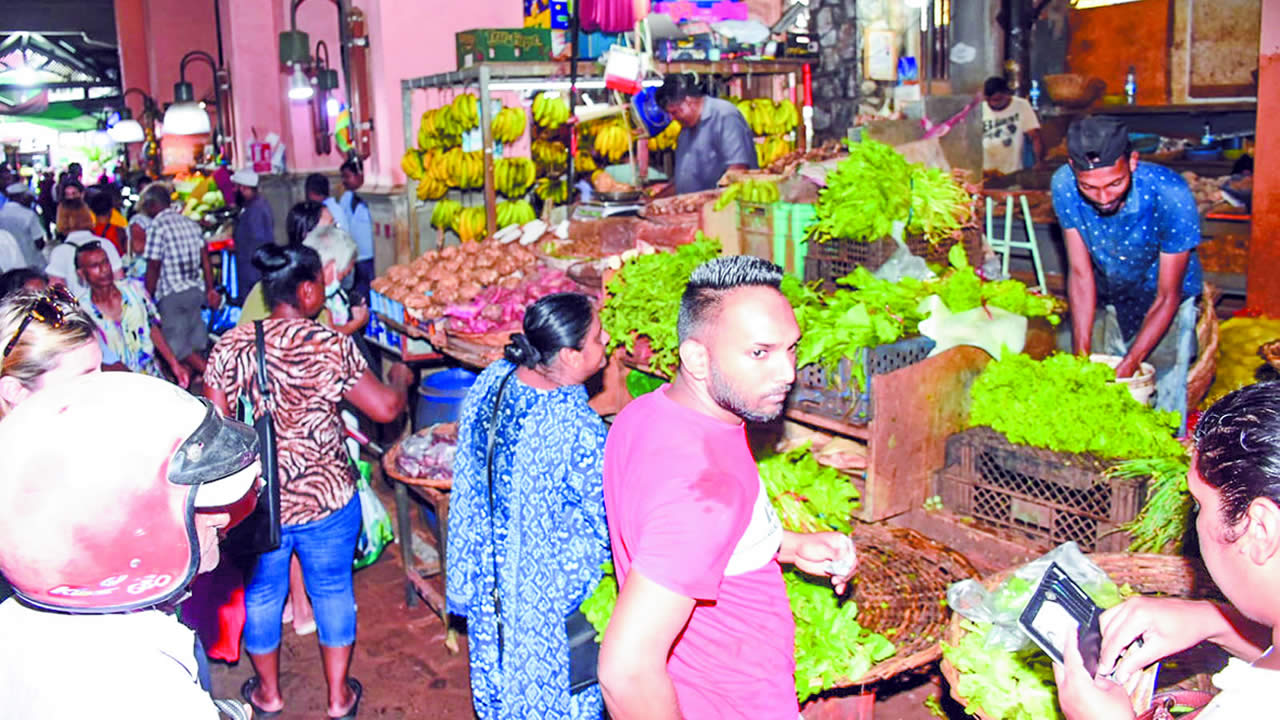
x: 731, y: 399
x: 1114, y: 207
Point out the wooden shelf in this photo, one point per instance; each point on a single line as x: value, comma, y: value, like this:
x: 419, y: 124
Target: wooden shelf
x: 1178, y: 109
x: 589, y: 70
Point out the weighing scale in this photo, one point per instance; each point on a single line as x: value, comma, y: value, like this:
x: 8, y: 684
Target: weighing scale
x: 600, y: 209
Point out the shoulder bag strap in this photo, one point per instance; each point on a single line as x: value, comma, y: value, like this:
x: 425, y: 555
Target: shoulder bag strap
x: 259, y: 339
x: 493, y: 535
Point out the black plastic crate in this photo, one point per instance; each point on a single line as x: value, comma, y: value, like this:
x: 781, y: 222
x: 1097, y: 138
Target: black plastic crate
x: 837, y: 397
x: 1051, y: 496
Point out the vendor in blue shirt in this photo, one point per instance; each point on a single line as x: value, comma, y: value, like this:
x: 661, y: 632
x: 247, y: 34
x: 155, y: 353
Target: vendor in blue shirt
x: 714, y: 138
x: 358, y: 221
x: 1131, y: 231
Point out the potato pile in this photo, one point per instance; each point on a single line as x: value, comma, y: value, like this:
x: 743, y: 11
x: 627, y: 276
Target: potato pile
x: 455, y: 274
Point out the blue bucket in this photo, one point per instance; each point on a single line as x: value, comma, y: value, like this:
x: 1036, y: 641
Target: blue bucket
x: 440, y: 396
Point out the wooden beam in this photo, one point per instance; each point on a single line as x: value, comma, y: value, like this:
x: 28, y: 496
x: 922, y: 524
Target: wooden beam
x: 1264, y: 242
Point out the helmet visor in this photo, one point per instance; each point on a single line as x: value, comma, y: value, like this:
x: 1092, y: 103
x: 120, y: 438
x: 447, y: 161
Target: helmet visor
x: 219, y: 448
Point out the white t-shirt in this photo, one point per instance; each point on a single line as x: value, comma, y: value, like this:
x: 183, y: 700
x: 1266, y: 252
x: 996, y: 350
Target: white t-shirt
x: 1245, y: 692
x: 62, y: 261
x: 135, y: 666
x: 10, y: 254
x: 1003, y: 134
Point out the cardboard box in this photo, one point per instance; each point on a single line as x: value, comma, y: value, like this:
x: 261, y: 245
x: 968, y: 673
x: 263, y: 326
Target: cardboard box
x: 503, y: 45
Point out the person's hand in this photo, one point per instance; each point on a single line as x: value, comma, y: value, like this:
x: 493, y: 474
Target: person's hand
x: 656, y: 190
x: 181, y: 375
x: 1127, y: 367
x: 814, y: 552
x: 400, y: 375
x: 1085, y: 698
x: 359, y: 315
x: 1165, y: 625
x: 214, y: 298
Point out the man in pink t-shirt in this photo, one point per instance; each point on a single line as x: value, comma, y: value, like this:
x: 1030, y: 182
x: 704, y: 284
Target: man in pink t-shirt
x: 702, y: 627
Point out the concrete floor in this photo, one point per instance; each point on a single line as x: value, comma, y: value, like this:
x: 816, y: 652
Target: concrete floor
x: 407, y: 672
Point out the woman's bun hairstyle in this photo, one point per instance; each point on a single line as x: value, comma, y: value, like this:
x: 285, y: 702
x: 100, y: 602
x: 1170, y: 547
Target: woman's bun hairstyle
x: 270, y: 258
x: 520, y: 352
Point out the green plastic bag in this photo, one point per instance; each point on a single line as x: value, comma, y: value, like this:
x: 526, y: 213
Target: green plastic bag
x: 375, y: 530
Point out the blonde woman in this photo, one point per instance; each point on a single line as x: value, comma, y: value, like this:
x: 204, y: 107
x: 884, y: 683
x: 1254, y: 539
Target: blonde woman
x: 46, y: 338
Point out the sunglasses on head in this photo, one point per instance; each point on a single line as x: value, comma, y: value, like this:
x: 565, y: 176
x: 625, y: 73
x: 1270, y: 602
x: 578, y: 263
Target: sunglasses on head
x: 47, y: 310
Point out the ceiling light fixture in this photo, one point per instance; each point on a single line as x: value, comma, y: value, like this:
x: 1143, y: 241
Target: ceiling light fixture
x: 300, y: 85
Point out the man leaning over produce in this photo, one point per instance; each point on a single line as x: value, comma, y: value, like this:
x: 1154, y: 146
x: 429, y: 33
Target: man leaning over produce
x: 1131, y: 230
x: 702, y: 626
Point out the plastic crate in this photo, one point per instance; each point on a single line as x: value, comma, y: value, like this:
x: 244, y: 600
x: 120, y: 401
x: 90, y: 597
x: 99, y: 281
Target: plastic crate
x: 937, y: 252
x: 832, y: 259
x: 815, y: 392
x: 1050, y: 496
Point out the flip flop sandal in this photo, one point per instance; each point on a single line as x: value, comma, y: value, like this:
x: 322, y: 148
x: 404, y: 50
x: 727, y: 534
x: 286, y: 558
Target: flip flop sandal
x: 246, y: 692
x: 358, y: 689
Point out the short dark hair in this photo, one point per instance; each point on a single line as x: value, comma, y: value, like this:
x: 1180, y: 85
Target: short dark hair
x: 70, y: 182
x: 284, y: 269
x: 714, y: 279
x: 996, y: 85
x: 99, y: 201
x: 554, y: 322
x: 317, y: 184
x: 301, y: 220
x: 1238, y: 448
x: 352, y: 165
x: 16, y: 279
x: 678, y: 87
x: 86, y: 248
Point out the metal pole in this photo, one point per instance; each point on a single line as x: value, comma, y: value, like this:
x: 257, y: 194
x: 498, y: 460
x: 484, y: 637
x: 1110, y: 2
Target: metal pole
x: 486, y: 136
x: 574, y: 28
x: 410, y: 141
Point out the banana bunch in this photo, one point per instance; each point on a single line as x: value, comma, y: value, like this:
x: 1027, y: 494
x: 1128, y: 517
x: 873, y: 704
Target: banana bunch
x: 469, y: 224
x: 411, y: 163
x: 437, y: 129
x: 553, y: 191
x: 612, y: 142
x: 666, y: 140
x: 517, y: 212
x: 550, y: 111
x: 431, y: 188
x: 749, y: 191
x: 551, y: 157
x: 584, y: 162
x: 466, y: 111
x: 773, y: 148
x: 457, y: 169
x: 767, y: 117
x: 514, y: 176
x: 443, y: 216
x: 509, y: 125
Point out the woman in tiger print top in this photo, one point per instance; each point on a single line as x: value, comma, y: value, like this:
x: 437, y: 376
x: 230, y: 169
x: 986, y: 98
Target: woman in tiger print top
x: 310, y: 369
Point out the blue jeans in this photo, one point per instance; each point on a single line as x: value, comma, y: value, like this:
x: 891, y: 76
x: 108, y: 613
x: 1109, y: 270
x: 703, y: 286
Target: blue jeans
x: 326, y: 549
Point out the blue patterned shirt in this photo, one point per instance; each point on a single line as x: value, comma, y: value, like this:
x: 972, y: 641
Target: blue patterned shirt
x: 550, y: 533
x: 1159, y: 216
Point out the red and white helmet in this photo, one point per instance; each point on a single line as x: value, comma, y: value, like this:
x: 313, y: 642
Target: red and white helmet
x: 100, y: 479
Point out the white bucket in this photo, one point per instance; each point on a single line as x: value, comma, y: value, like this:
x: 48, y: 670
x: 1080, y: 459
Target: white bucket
x: 1141, y: 385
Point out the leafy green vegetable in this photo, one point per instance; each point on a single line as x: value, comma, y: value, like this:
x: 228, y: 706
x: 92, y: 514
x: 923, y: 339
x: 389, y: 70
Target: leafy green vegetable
x: 598, y: 607
x: 830, y: 644
x: 1163, y: 520
x: 1070, y: 404
x: 875, y: 187
x: 961, y: 289
x: 642, y: 383
x: 644, y: 300
x: 807, y: 496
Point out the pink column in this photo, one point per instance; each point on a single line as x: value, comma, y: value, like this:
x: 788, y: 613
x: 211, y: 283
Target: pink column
x: 250, y: 37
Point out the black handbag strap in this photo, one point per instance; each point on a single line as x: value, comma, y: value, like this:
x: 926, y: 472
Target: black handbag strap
x: 260, y: 340
x: 493, y: 535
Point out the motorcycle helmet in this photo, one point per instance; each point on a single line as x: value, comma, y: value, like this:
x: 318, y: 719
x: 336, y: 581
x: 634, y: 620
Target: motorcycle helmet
x: 100, y: 480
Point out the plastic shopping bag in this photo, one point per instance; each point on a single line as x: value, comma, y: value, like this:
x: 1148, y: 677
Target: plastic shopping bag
x: 375, y: 530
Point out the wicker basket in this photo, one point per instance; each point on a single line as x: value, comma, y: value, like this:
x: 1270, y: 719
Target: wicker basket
x: 1074, y: 91
x: 1208, y: 333
x: 1147, y: 574
x: 901, y: 582
x: 392, y: 470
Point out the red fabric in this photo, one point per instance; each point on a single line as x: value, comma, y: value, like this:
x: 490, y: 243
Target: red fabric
x: 215, y: 611
x: 114, y: 233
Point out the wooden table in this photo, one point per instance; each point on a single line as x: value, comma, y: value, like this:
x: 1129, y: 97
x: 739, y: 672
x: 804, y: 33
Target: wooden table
x: 422, y: 579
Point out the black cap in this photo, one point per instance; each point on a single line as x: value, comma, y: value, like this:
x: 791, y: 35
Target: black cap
x: 1096, y: 141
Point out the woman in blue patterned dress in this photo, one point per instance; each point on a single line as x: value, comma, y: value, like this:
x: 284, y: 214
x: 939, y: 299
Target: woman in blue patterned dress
x: 548, y: 524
